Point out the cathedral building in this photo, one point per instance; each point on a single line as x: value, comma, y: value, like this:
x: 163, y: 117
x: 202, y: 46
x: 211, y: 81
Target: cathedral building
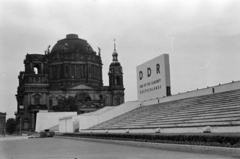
x: 67, y: 78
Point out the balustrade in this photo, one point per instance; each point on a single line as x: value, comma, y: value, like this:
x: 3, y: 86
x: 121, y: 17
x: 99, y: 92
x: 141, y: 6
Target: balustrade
x: 37, y: 79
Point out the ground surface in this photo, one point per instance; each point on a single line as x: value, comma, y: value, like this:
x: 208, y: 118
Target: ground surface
x: 51, y: 148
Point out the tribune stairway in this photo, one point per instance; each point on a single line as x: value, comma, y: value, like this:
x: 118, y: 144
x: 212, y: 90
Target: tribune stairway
x: 220, y: 109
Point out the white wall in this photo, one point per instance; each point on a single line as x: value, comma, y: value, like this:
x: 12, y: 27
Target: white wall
x: 227, y: 87
x: 69, y: 125
x: 206, y: 91
x: 62, y: 124
x: 91, y: 119
x: 45, y: 120
x: 103, y: 110
x: 88, y: 120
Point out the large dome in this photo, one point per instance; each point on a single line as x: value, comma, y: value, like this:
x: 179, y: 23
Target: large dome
x: 71, y: 42
x: 73, y: 61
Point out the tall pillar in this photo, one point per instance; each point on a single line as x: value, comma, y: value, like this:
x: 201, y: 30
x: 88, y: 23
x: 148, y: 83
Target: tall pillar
x: 41, y: 68
x: 70, y: 71
x: 31, y: 68
x: 75, y: 69
x: 82, y: 71
x: 25, y: 105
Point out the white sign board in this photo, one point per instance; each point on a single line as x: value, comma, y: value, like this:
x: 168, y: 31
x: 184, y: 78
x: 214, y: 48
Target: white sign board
x: 153, y: 78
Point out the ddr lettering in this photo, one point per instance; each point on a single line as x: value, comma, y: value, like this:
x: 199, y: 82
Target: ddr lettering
x: 140, y: 75
x: 149, y: 71
x: 158, y: 68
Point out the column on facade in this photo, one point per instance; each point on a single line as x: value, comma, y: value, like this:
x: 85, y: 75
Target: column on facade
x: 99, y: 73
x: 50, y: 72
x: 94, y: 72
x: 82, y: 71
x: 26, y: 114
x: 75, y: 71
x: 31, y: 68
x: 55, y: 72
x: 86, y: 70
x: 89, y: 70
x: 26, y: 105
x: 41, y: 68
x: 112, y: 99
x: 70, y: 71
x: 59, y: 72
x: 113, y: 80
x: 78, y: 71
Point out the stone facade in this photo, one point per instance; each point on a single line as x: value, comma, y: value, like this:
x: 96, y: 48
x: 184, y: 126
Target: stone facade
x: 67, y: 78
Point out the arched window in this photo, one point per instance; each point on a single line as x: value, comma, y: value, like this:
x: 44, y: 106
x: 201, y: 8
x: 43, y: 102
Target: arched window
x: 36, y: 98
x: 118, y: 81
x: 36, y: 69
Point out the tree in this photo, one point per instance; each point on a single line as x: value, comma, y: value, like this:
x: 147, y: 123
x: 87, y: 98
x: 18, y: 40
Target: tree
x: 66, y: 104
x: 10, y: 125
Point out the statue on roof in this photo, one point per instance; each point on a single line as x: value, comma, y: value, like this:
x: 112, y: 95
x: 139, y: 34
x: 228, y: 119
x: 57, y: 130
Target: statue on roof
x: 66, y: 46
x: 48, y: 50
x: 99, y: 51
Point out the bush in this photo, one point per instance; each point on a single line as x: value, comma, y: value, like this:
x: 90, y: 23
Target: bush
x: 194, y: 139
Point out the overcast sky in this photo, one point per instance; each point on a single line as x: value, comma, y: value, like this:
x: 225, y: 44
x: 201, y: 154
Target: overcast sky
x: 201, y: 37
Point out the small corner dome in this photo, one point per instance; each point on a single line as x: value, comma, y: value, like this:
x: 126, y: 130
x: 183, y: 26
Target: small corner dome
x: 114, y: 53
x: 71, y: 42
x: 115, y: 63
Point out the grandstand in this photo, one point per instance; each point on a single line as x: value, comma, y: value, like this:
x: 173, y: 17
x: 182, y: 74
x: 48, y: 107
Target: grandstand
x: 211, y: 109
x: 220, y: 111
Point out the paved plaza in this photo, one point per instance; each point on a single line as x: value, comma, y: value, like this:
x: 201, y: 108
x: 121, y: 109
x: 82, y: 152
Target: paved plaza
x: 51, y: 148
